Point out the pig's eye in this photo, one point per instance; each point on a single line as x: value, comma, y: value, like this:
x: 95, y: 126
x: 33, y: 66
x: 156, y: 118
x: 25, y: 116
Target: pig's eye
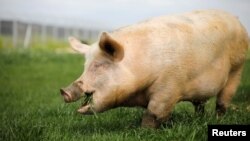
x: 103, y: 65
x: 80, y: 82
x: 97, y: 65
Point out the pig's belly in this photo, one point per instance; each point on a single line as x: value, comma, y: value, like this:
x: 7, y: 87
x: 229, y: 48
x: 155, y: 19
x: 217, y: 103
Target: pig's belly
x: 207, y: 84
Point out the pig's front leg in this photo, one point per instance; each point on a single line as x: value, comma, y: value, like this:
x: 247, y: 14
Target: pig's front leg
x: 159, y: 109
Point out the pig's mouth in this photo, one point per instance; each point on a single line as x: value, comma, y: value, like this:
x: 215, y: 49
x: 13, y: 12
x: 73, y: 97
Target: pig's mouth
x: 87, y: 104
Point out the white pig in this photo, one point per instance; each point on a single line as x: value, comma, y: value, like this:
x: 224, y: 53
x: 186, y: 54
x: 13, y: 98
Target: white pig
x: 159, y: 62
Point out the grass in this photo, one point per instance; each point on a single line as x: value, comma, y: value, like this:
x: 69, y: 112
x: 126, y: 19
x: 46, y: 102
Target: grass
x: 32, y: 108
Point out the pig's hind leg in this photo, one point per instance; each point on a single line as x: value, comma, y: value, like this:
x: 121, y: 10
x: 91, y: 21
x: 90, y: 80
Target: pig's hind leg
x: 226, y: 94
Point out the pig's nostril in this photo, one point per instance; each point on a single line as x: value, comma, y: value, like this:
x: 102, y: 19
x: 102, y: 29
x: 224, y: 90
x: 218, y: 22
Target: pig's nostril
x: 62, y: 92
x: 66, y: 96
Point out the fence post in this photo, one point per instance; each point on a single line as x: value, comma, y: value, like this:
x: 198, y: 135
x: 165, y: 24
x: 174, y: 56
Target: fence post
x: 66, y: 33
x: 0, y: 27
x: 44, y: 34
x: 27, y: 36
x: 14, y: 33
x: 76, y: 32
x: 85, y: 34
x: 55, y: 32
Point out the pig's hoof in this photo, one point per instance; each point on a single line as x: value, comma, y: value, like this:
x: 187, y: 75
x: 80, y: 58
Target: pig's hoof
x: 219, y: 114
x: 220, y: 110
x: 150, y: 123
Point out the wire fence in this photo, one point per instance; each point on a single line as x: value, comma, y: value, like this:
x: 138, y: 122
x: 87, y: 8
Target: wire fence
x: 22, y: 34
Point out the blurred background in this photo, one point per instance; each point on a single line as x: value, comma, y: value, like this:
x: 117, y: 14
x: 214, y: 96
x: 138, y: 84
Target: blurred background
x: 36, y: 61
x: 39, y: 21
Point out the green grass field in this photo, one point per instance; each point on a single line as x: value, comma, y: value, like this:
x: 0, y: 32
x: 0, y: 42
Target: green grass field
x: 32, y: 108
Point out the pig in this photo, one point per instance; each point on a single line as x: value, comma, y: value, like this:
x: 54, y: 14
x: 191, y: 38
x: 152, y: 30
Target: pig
x: 159, y: 62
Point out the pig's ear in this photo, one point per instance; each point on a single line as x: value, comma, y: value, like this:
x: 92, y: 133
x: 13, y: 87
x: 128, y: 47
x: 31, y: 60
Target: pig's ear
x: 111, y: 47
x: 78, y: 46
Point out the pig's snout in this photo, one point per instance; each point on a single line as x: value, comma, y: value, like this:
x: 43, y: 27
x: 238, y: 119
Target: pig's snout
x: 67, y: 97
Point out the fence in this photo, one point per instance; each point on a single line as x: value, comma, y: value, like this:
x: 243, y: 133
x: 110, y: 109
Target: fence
x: 22, y: 33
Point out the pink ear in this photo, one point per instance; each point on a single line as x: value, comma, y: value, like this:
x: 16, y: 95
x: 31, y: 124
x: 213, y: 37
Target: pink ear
x: 111, y: 47
x: 78, y: 46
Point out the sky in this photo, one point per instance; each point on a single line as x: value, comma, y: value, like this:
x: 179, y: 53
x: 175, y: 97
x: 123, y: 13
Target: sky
x: 111, y: 14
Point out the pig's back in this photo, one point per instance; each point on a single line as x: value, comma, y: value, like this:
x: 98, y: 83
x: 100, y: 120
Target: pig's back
x: 197, y: 38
